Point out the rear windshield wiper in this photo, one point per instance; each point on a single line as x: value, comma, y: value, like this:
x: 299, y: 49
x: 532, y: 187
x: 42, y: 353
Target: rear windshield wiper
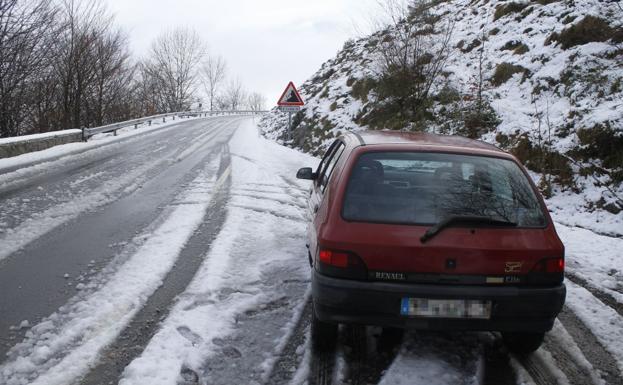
x: 463, y: 219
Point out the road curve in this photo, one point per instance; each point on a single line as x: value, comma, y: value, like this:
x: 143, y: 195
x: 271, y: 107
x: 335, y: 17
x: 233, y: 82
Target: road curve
x: 102, y: 199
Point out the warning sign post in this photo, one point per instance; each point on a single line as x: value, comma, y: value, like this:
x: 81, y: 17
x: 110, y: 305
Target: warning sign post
x: 290, y: 101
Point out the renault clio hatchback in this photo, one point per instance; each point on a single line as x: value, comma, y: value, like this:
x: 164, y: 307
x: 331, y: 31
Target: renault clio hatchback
x: 421, y: 231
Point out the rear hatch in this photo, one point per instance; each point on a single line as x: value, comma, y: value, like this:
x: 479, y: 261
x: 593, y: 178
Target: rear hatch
x: 443, y: 218
x: 464, y: 255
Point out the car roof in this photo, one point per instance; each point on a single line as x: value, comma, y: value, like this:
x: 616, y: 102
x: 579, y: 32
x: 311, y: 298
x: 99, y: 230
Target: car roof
x: 432, y: 141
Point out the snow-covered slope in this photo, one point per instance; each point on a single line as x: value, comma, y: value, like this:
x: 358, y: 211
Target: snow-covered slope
x: 557, y: 99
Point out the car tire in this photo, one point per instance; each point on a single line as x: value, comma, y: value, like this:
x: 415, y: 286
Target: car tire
x: 323, y: 334
x: 523, y: 343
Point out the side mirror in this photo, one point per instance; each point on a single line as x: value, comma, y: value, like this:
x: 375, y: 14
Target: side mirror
x: 306, y: 173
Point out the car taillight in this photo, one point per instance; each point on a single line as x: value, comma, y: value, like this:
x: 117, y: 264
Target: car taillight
x: 548, y: 271
x: 333, y: 258
x: 341, y: 264
x: 550, y: 265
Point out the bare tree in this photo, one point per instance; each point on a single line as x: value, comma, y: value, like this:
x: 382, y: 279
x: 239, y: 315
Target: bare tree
x: 26, y: 30
x: 112, y: 74
x: 411, y: 56
x: 256, y: 101
x: 213, y: 75
x: 173, y: 64
x: 234, y: 95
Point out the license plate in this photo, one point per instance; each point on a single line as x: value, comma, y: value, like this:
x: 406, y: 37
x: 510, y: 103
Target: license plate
x: 445, y: 308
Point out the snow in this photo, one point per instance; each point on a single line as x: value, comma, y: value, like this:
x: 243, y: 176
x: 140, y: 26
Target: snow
x: 44, y: 135
x: 69, y: 205
x: 56, y: 152
x: 433, y: 360
x: 253, y: 236
x: 596, y: 258
x: 569, y: 89
x: 264, y: 227
x: 605, y: 323
x: 560, y: 334
x: 84, y: 326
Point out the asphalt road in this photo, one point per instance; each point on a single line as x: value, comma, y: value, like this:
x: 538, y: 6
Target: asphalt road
x: 40, y: 277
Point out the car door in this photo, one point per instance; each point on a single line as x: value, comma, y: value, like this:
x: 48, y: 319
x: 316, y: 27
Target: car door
x: 324, y: 171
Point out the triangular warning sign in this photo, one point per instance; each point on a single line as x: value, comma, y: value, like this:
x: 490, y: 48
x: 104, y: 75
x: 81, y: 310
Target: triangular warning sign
x: 290, y: 97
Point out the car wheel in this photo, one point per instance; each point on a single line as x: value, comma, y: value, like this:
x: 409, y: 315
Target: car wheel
x: 523, y: 343
x: 323, y: 334
x: 390, y: 340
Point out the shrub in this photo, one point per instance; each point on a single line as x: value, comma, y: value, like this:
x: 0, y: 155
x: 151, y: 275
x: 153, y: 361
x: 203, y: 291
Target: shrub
x: 510, y: 45
x: 616, y: 86
x: 516, y: 46
x: 538, y: 158
x: 362, y: 88
x: 525, y: 13
x: 474, y: 44
x: 505, y: 71
x: 502, y: 10
x: 603, y: 143
x: 494, y: 31
x: 590, y: 29
x: 333, y: 106
x: 350, y: 81
x: 479, y: 121
x: 521, y: 49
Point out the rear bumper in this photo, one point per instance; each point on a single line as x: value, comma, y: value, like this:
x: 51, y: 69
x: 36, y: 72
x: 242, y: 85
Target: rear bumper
x: 515, y: 309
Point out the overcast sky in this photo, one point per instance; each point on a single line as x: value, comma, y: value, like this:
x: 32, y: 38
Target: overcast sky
x: 266, y: 43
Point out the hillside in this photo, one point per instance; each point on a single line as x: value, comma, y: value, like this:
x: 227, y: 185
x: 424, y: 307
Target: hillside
x: 542, y: 79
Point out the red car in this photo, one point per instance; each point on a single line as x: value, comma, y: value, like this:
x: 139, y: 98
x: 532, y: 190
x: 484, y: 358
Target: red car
x: 423, y: 231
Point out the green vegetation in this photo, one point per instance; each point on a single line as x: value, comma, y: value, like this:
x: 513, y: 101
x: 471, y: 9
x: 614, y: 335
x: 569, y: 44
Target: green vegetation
x: 361, y: 89
x: 518, y: 47
x: 539, y: 158
x: 505, y: 71
x: 478, y: 119
x: 521, y: 49
x: 590, y: 29
x: 333, y: 106
x: 604, y: 143
x: 502, y: 10
x: 616, y: 86
x: 474, y: 44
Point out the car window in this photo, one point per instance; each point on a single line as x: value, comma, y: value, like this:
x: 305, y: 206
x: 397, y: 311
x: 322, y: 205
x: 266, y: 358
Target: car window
x: 424, y: 188
x: 324, y: 180
x: 325, y: 159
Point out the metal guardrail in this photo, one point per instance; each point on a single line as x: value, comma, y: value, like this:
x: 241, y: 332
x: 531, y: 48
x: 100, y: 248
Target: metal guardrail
x: 89, y: 132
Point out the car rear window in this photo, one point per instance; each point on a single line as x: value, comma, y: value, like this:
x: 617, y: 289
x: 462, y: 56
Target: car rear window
x: 424, y: 188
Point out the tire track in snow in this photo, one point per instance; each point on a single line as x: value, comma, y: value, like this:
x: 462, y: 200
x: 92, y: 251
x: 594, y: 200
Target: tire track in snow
x: 591, y: 348
x: 540, y: 373
x: 133, y: 339
x: 603, y: 296
x: 575, y: 373
x: 90, y: 248
x: 284, y: 367
x: 73, y: 336
x: 44, y: 221
x: 368, y: 352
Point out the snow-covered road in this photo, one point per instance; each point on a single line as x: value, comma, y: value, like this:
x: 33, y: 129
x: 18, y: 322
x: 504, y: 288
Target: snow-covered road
x: 178, y: 257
